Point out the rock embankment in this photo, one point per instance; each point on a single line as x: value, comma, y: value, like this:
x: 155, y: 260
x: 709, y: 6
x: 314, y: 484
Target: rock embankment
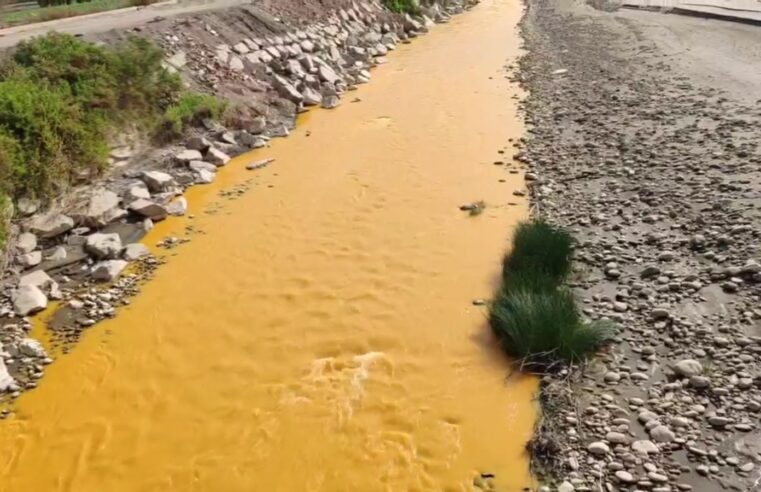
x: 270, y: 69
x: 658, y: 178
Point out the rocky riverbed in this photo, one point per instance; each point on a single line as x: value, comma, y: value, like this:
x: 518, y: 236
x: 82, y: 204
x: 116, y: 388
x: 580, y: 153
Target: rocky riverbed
x: 657, y: 175
x: 272, y: 62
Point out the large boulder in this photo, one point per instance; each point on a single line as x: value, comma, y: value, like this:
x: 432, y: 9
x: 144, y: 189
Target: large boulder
x: 148, y: 209
x: 287, y: 90
x: 311, y: 97
x: 100, y: 209
x: 217, y: 157
x: 28, y: 299
x: 108, y: 270
x: 104, y: 246
x: 193, y: 153
x: 688, y: 368
x: 158, y: 181
x: 50, y: 224
x: 135, y: 251
x: 42, y: 281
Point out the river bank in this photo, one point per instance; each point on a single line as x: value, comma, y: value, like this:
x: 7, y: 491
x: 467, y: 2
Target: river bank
x: 650, y: 157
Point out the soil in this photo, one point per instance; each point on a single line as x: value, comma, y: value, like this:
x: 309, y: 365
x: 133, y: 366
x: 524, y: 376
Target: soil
x: 644, y: 139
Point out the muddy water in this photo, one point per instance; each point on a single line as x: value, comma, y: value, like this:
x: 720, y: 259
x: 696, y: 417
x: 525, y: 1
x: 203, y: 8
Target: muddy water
x: 318, y: 335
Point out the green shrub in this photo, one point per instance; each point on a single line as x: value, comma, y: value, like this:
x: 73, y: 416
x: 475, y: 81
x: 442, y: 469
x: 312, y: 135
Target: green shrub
x: 190, y: 109
x: 403, y: 6
x: 540, y: 248
x: 544, y: 328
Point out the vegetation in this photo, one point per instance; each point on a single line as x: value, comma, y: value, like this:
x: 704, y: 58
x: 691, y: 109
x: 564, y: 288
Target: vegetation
x: 62, y: 99
x: 533, y: 315
x: 49, y: 10
x: 403, y: 6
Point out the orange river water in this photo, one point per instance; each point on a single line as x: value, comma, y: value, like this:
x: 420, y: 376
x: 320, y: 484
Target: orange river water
x: 318, y: 335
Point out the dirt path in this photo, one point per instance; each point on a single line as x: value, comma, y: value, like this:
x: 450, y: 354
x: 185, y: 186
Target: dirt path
x: 645, y: 141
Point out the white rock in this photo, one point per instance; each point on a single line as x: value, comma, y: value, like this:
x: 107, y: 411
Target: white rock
x: 28, y: 299
x: 688, y: 368
x: 311, y: 97
x: 149, y: 209
x: 661, y: 433
x: 598, y: 448
x: 327, y: 74
x: 157, y: 181
x: 645, y: 447
x: 624, y: 476
x: 566, y: 487
x: 26, y: 242
x: 204, y: 177
x: 27, y: 206
x: 135, y: 251
x: 29, y: 260
x: 192, y: 154
x: 178, y: 207
x: 7, y: 383
x: 59, y: 253
x: 50, y: 224
x: 236, y: 64
x: 241, y: 48
x: 178, y: 60
x: 202, y: 166
x: 31, y: 348
x: 138, y: 191
x: 287, y: 90
x: 217, y: 157
x: 103, y: 246
x: 100, y: 208
x: 108, y: 270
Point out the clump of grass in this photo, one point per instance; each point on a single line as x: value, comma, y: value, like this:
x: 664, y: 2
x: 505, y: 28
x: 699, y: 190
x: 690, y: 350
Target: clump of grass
x: 190, y: 109
x: 533, y: 316
x: 403, y: 6
x: 540, y: 248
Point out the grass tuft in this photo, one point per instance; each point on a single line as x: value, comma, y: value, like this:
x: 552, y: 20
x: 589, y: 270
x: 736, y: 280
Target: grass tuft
x: 540, y: 248
x: 190, y: 109
x: 533, y: 316
x: 403, y: 6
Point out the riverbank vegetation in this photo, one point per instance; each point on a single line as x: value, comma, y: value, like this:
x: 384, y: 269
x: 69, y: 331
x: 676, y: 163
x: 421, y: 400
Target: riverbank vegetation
x: 403, y: 6
x: 534, y: 316
x: 47, y: 10
x: 63, y: 99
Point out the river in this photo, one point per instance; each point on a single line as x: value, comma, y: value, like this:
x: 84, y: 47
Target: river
x: 318, y: 332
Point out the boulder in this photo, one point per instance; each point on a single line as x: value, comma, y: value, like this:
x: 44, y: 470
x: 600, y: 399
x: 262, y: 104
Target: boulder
x: 257, y: 125
x: 197, y: 166
x: 104, y: 246
x: 100, y: 208
x: 193, y: 153
x: 59, y: 253
x: 28, y: 299
x: 688, y: 368
x: 137, y: 191
x: 216, y: 157
x: 327, y: 74
x: 7, y: 383
x: 148, y: 209
x: 27, y: 206
x: 157, y: 181
x: 135, y: 251
x: 287, y: 90
x: 31, y: 348
x: 108, y: 270
x: 29, y: 260
x: 204, y: 177
x: 311, y: 97
x: 50, y: 224
x: 235, y: 64
x: 330, y: 102
x: 26, y: 242
x: 178, y: 206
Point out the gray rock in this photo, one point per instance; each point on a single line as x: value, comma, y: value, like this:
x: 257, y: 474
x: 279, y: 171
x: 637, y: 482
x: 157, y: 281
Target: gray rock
x: 616, y: 438
x: 644, y: 447
x: 135, y: 251
x: 104, y: 246
x: 148, y: 209
x: 32, y: 348
x: 7, y: 383
x: 204, y: 177
x: 311, y: 97
x: 27, y: 206
x: 100, y: 208
x: 30, y: 259
x: 287, y: 90
x: 158, y: 181
x: 199, y: 144
x: 624, y: 476
x: 661, y: 433
x: 687, y: 368
x: 108, y: 270
x: 28, y: 299
x: 598, y: 448
x: 178, y: 207
x: 566, y: 487
x: 257, y: 125
x: 59, y: 253
x: 216, y: 157
x: 26, y: 242
x: 50, y: 224
x: 136, y: 192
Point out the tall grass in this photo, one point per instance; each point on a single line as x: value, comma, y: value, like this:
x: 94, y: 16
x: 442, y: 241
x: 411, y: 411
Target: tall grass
x: 403, y: 6
x: 533, y: 315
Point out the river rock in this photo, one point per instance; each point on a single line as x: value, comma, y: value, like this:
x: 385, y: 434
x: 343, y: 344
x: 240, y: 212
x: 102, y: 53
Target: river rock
x: 661, y: 433
x: 327, y: 74
x: 135, y: 251
x: 566, y: 487
x: 108, y: 270
x: 28, y: 299
x: 29, y: 260
x: 178, y: 207
x: 598, y: 448
x: 311, y: 97
x: 27, y: 206
x: 198, y: 166
x: 257, y: 125
x: 148, y: 209
x: 137, y: 191
x: 204, y: 177
x: 7, y: 383
x: 31, y: 348
x: 50, y: 224
x: 26, y: 242
x: 104, y: 246
x: 42, y: 281
x: 216, y: 157
x: 645, y: 447
x: 158, y: 181
x: 193, y: 153
x: 688, y: 367
x: 287, y: 90
x: 624, y: 476
x: 100, y: 208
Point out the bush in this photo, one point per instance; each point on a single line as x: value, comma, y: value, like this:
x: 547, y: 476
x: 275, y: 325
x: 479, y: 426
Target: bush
x: 544, y: 328
x: 540, y: 248
x: 190, y: 109
x: 535, y: 319
x: 403, y: 6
